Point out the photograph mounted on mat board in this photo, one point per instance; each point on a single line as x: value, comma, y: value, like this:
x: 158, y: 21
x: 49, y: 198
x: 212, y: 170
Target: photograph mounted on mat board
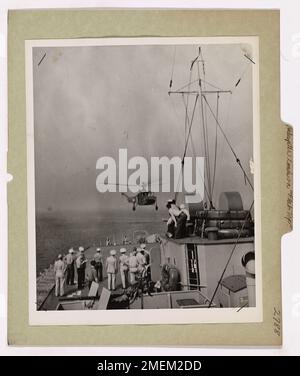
x: 142, y: 191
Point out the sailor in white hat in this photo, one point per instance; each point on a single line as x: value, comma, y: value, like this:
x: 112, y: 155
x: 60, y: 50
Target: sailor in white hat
x: 124, y: 261
x: 141, y: 260
x: 70, y: 261
x: 111, y: 269
x: 133, y: 265
x: 59, y: 270
x: 174, y: 212
x: 146, y: 260
x: 98, y: 264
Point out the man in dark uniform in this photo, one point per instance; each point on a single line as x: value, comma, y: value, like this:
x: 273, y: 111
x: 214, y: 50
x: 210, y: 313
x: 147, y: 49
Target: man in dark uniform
x: 81, y: 265
x: 70, y: 261
x: 92, y: 274
x: 98, y: 264
x: 147, y: 258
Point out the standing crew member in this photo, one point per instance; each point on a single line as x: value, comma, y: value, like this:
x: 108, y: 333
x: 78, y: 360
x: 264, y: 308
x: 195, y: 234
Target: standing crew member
x: 133, y: 266
x: 59, y: 270
x: 147, y: 260
x: 172, y: 221
x: 111, y: 269
x: 141, y: 260
x: 98, y: 264
x: 81, y: 265
x: 124, y: 260
x: 70, y: 261
x: 184, y: 215
x: 177, y: 221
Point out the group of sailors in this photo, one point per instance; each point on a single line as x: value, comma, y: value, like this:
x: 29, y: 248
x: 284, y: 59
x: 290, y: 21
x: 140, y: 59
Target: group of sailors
x: 178, y: 216
x: 138, y: 261
x: 64, y: 269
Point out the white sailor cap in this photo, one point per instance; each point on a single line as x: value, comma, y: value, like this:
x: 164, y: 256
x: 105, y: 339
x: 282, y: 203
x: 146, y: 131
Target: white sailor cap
x: 81, y: 249
x: 71, y: 250
x: 123, y: 250
x: 113, y: 252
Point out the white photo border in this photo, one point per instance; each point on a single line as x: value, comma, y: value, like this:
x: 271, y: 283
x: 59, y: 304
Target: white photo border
x: 147, y: 316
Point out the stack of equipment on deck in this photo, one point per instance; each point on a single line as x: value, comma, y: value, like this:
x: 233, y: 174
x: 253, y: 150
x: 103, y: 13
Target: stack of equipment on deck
x: 229, y: 221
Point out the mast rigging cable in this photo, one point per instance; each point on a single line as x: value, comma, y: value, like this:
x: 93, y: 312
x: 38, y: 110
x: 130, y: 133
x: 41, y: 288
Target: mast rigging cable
x: 216, y: 147
x: 230, y: 146
x: 173, y: 65
x: 187, y: 141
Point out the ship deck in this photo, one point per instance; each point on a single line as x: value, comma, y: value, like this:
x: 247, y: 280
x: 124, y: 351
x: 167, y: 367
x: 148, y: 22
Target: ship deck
x: 204, y: 241
x: 51, y: 301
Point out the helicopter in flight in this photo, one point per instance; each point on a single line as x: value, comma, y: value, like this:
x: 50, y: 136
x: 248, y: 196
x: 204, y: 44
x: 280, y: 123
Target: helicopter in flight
x: 143, y: 198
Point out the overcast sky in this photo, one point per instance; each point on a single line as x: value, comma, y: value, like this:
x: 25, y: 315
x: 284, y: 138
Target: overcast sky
x: 91, y: 101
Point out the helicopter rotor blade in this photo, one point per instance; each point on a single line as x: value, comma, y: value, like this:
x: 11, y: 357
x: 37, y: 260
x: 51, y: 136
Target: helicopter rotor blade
x: 121, y: 185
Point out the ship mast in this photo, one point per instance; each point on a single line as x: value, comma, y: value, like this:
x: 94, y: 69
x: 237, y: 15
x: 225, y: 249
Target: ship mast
x: 205, y: 106
x: 202, y: 103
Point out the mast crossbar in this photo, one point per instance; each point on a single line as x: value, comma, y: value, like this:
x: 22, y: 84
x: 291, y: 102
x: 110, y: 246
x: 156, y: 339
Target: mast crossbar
x: 203, y: 92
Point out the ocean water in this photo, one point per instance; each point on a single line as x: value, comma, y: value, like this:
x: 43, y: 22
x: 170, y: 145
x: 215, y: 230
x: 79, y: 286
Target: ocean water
x: 56, y: 232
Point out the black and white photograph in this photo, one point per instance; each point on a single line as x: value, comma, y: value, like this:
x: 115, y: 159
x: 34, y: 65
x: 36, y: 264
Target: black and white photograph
x: 143, y: 180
